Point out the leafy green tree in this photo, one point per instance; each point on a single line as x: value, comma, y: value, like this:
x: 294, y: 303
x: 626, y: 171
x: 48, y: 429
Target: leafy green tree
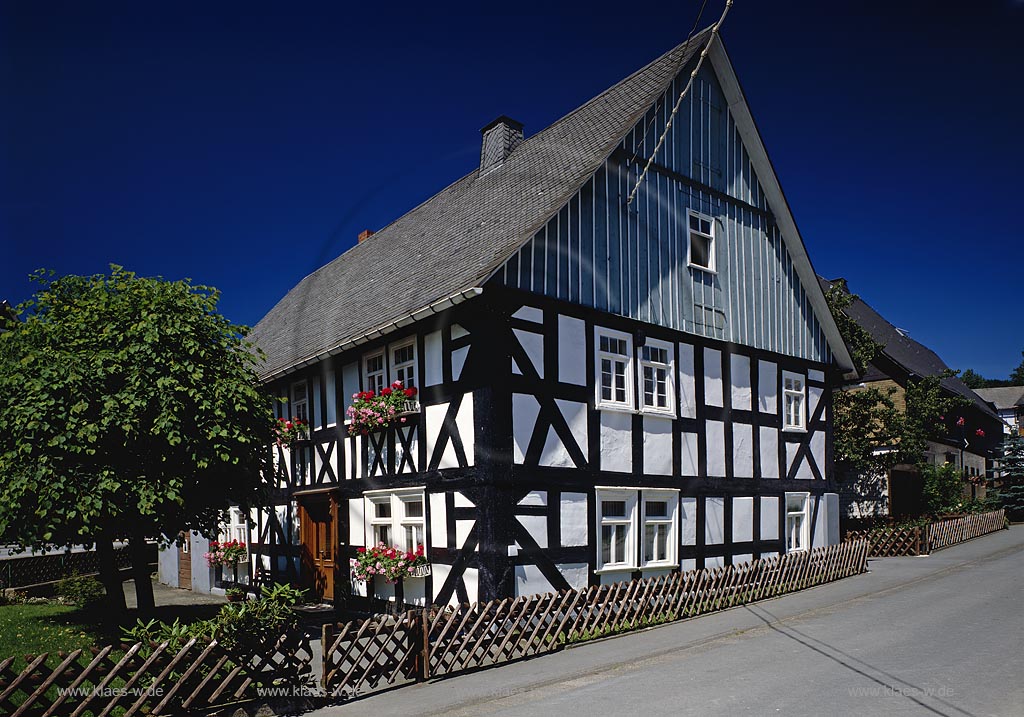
x: 1017, y: 375
x: 974, y: 380
x: 129, y: 410
x: 870, y: 433
x: 943, y: 488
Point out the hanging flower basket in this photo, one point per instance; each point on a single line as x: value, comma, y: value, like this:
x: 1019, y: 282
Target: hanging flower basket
x: 376, y: 411
x: 290, y: 430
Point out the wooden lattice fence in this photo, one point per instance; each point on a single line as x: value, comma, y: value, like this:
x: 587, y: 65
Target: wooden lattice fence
x: 887, y: 542
x: 378, y: 652
x: 956, y: 530
x: 158, y: 679
x: 23, y: 571
x: 890, y: 542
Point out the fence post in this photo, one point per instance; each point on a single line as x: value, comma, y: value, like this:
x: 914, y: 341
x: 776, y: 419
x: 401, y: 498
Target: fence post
x: 423, y: 673
x: 326, y: 640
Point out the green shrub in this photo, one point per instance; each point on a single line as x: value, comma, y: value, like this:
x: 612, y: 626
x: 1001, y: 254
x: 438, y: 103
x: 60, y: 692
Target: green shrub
x: 81, y: 590
x: 943, y: 487
x: 12, y: 597
x: 242, y: 626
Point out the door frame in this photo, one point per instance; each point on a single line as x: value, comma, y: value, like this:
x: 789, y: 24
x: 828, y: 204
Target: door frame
x: 310, y: 566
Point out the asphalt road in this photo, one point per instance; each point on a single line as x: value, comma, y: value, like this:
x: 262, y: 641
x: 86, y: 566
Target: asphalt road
x: 937, y: 635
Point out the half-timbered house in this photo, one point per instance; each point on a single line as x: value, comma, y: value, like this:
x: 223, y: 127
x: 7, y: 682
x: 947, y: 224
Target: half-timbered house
x: 607, y: 389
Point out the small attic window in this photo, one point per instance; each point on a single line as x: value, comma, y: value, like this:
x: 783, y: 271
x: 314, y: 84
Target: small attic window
x: 702, y: 242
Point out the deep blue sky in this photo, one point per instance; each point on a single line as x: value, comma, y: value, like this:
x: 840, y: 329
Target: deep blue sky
x: 244, y: 145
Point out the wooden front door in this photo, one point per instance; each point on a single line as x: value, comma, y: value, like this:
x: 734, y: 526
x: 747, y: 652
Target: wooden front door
x: 185, y: 565
x: 318, y: 520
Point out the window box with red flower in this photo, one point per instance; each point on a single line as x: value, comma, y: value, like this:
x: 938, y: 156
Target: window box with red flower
x: 291, y: 430
x: 389, y: 563
x: 372, y: 411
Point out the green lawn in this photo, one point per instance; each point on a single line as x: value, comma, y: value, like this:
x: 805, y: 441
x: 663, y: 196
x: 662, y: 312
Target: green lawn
x: 32, y: 629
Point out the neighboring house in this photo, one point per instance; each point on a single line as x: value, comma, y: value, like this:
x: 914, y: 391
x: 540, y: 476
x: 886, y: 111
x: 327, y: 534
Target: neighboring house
x: 1009, y: 404
x: 901, y: 360
x: 605, y: 391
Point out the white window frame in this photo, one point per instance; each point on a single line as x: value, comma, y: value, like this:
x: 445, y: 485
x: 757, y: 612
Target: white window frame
x: 628, y: 496
x: 367, y: 374
x: 409, y: 366
x: 627, y: 374
x: 398, y: 520
x: 236, y: 529
x: 669, y: 522
x: 670, y: 398
x: 299, y: 401
x: 799, y: 395
x: 803, y: 537
x: 710, y: 236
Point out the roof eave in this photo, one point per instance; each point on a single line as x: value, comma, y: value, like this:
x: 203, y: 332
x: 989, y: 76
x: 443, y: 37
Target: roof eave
x: 383, y: 330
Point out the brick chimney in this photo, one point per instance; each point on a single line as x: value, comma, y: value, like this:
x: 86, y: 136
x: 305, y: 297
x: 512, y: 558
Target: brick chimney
x: 500, y: 138
x: 365, y: 234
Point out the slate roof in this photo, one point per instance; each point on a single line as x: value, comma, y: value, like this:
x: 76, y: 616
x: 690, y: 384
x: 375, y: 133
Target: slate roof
x: 1003, y: 397
x: 455, y: 239
x: 912, y: 356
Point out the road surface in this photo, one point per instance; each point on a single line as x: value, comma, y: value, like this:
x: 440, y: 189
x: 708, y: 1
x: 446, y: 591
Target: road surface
x: 936, y: 635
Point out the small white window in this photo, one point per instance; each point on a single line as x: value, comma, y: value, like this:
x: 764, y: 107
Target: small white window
x: 403, y: 364
x: 397, y: 519
x: 659, y: 518
x: 797, y: 522
x: 794, y: 400
x: 656, y: 362
x: 235, y: 529
x: 613, y: 362
x: 300, y: 402
x: 375, y: 376
x: 616, y: 514
x: 701, y: 252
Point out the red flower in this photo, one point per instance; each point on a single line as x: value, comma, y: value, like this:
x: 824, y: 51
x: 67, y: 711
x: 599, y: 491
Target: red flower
x: 960, y: 421
x: 410, y: 556
x: 385, y: 392
x: 360, y: 550
x: 396, y: 384
x: 980, y: 432
x: 410, y: 392
x: 419, y: 551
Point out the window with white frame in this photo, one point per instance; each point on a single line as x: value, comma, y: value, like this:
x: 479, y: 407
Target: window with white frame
x: 659, y: 518
x: 403, y: 364
x: 236, y: 529
x: 656, y: 377
x: 794, y: 399
x: 300, y: 401
x: 374, y: 372
x: 616, y: 511
x: 797, y: 522
x: 614, y: 359
x: 396, y: 518
x: 701, y: 252
x: 637, y: 527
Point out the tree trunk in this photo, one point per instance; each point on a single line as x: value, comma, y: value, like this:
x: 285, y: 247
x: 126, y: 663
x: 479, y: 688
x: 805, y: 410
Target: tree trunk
x: 140, y: 574
x: 110, y: 576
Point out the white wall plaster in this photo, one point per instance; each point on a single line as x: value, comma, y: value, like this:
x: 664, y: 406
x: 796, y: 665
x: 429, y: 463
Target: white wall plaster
x: 574, y: 525
x: 767, y: 386
x: 714, y: 520
x: 742, y: 519
x: 715, y: 434
x: 712, y: 377
x: 687, y: 382
x: 743, y: 450
x: 657, y: 446
x: 740, y: 379
x: 616, y: 441
x: 572, y: 343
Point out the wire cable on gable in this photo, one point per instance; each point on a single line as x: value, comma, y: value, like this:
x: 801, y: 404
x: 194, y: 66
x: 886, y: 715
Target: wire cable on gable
x: 686, y: 49
x: 675, y: 108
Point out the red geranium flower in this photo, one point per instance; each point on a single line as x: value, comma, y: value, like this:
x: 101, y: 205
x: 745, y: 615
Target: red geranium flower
x: 360, y: 550
x: 980, y: 432
x: 410, y: 392
x: 385, y: 392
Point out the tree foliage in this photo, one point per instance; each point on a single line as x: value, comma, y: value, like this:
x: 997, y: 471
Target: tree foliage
x: 942, y: 489
x: 870, y: 433
x: 129, y: 409
x: 1017, y: 375
x: 973, y: 379
x: 1010, y: 489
